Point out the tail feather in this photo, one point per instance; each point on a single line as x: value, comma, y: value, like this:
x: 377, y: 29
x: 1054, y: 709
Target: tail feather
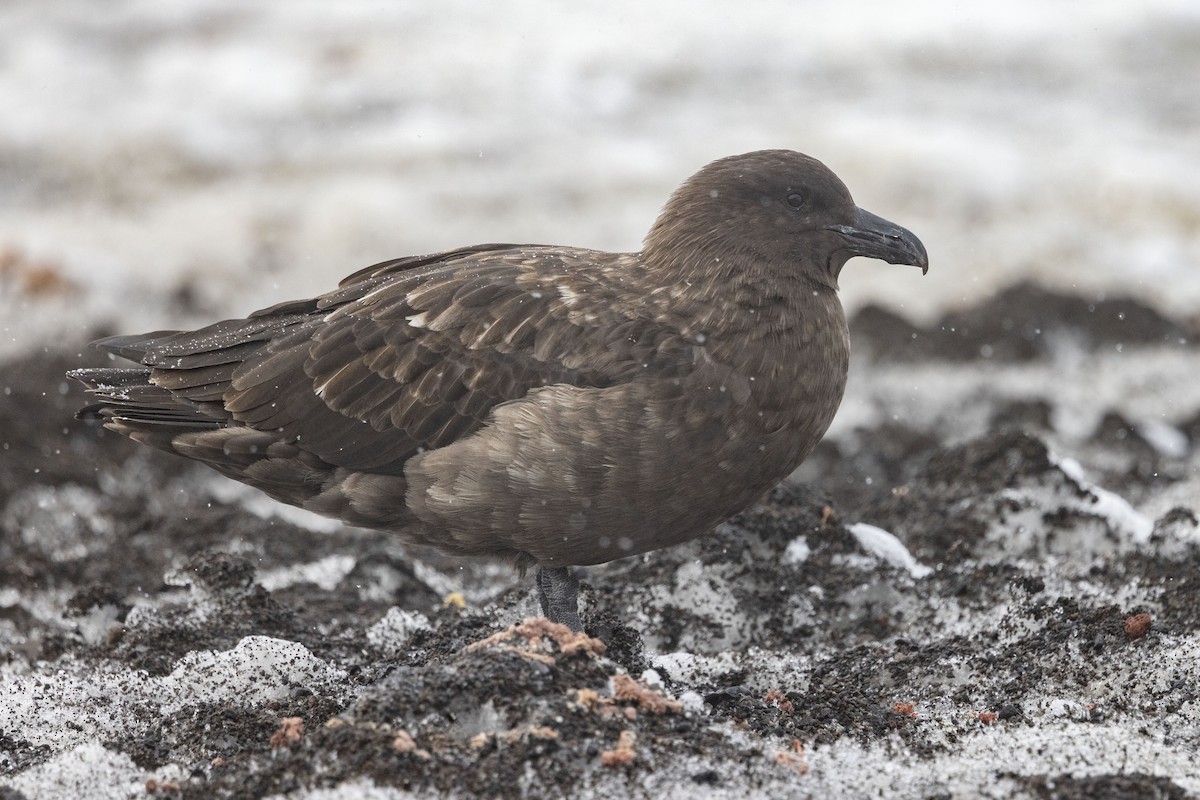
x: 132, y: 346
x: 227, y: 342
x: 127, y: 395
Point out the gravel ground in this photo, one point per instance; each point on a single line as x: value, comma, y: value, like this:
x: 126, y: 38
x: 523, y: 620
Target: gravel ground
x: 938, y: 604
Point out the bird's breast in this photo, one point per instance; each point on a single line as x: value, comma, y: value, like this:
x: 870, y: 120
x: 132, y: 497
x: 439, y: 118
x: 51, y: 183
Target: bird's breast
x: 794, y: 370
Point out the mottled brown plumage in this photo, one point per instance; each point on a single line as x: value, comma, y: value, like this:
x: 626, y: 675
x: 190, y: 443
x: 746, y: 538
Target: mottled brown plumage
x: 550, y: 405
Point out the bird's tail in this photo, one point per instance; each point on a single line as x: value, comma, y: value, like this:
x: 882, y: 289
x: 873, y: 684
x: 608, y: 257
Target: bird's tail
x: 147, y: 405
x: 127, y: 402
x: 178, y: 384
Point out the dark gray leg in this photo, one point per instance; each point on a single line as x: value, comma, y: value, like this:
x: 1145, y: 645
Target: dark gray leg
x: 558, y: 591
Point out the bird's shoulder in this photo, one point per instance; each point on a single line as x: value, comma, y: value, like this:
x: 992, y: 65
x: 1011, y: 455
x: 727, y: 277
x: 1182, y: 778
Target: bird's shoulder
x: 549, y: 309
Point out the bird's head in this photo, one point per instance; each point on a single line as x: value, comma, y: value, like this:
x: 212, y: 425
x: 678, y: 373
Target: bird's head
x: 776, y: 209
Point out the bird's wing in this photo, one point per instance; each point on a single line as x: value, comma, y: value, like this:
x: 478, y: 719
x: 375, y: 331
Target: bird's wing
x: 414, y: 354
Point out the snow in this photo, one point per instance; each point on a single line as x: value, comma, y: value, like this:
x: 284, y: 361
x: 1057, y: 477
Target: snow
x: 651, y: 678
x: 64, y: 709
x: 326, y: 573
x: 361, y: 789
x: 1075, y: 748
x: 263, y: 507
x: 265, y: 151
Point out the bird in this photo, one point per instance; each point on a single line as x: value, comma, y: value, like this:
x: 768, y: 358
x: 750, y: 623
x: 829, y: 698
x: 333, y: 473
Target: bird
x: 554, y: 407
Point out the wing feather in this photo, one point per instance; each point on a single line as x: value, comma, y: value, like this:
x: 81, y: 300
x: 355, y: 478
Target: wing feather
x: 408, y: 354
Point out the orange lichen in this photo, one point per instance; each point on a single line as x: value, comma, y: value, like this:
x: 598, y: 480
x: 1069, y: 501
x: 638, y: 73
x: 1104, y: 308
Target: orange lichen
x: 33, y: 277
x: 623, y: 753
x: 905, y: 709
x: 778, y: 698
x: 289, y: 731
x: 403, y: 742
x: 523, y: 734
x: 532, y: 732
x: 626, y: 688
x: 536, y: 639
x: 793, y: 758
x: 154, y: 787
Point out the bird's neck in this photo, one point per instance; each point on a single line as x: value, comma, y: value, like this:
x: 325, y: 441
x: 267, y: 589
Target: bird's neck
x: 719, y: 294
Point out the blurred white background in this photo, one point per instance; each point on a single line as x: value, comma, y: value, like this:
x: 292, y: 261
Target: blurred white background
x: 255, y: 152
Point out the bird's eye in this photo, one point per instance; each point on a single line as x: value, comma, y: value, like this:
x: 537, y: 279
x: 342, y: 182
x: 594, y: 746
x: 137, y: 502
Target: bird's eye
x: 795, y: 200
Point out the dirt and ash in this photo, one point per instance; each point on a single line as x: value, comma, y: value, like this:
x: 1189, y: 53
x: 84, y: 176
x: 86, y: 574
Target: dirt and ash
x: 983, y: 584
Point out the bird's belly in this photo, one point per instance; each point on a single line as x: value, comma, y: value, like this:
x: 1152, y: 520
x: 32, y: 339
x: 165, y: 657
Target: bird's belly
x: 582, y: 476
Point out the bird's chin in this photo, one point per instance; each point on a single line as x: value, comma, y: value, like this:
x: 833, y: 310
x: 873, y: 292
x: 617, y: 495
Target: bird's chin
x: 833, y: 268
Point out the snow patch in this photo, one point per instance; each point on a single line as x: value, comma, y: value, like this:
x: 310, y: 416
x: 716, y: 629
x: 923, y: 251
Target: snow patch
x: 651, y: 678
x: 89, y: 770
x: 396, y: 628
x: 797, y: 551
x: 263, y: 507
x: 846, y: 768
x: 692, y: 702
x: 360, y: 789
x: 257, y: 670
x: 326, y: 573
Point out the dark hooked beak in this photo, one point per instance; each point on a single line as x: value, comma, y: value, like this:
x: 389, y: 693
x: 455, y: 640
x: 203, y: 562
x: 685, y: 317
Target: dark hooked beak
x: 875, y: 237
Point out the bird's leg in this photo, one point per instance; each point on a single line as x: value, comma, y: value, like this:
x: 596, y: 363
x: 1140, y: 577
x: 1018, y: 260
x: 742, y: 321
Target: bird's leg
x: 558, y: 591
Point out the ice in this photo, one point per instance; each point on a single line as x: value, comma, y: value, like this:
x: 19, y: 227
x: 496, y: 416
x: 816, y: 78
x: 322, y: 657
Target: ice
x: 1112, y: 508
x: 886, y: 547
x: 1168, y: 440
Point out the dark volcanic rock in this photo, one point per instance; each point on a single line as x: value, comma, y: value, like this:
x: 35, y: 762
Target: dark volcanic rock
x: 1021, y: 323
